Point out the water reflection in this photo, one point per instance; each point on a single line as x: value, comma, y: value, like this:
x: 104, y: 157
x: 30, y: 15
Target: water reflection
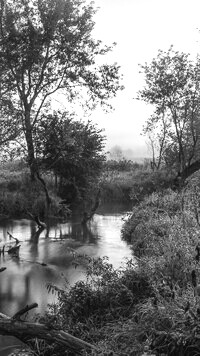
x: 46, y: 256
x: 25, y: 279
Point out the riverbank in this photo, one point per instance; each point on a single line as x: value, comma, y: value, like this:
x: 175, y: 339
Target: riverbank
x: 141, y: 307
x: 151, y: 306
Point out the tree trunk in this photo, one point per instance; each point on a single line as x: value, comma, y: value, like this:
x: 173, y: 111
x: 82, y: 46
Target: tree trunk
x: 25, y: 331
x: 34, y: 171
x: 192, y: 168
x: 30, y: 145
x: 48, y: 199
x: 187, y: 172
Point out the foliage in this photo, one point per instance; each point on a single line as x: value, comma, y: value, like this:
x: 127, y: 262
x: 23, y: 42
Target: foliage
x: 129, y: 181
x: 172, y: 87
x: 147, y: 182
x: 89, y: 308
x: 47, y: 47
x: 73, y: 150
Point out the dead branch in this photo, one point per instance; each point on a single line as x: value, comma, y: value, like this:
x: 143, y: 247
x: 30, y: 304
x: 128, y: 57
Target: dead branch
x: 27, y: 331
x: 24, y: 310
x: 12, y: 237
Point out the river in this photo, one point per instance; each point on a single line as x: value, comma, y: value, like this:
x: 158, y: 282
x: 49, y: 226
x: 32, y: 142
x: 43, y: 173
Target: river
x: 48, y: 257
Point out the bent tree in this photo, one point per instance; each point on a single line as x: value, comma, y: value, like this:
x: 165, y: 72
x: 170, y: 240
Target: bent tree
x: 46, y: 47
x: 173, y: 88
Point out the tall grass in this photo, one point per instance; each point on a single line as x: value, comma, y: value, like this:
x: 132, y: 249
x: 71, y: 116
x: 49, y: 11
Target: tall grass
x: 125, y: 181
x: 19, y: 195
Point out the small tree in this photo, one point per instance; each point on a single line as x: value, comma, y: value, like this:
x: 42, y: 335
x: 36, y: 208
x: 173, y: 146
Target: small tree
x: 73, y: 150
x: 46, y: 47
x: 156, y: 130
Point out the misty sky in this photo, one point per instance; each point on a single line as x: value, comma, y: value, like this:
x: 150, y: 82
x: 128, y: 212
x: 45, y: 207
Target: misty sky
x: 140, y: 28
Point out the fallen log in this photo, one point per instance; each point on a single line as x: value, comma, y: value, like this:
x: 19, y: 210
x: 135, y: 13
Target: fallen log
x: 25, y: 331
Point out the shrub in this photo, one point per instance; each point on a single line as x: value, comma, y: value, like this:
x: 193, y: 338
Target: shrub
x: 105, y: 298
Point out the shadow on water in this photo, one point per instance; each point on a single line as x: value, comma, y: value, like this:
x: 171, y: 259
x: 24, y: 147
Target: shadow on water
x: 46, y: 256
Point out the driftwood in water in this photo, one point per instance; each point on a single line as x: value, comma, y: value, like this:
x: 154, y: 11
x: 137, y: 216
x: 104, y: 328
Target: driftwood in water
x: 25, y: 331
x: 88, y: 216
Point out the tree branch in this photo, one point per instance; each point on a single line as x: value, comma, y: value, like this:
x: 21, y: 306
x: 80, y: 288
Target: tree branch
x: 23, y: 311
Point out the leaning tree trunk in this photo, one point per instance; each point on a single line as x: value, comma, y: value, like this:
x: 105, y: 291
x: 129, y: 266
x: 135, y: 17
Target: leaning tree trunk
x: 187, y: 172
x: 192, y: 168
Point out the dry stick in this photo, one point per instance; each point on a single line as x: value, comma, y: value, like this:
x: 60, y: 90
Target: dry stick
x: 12, y: 237
x: 24, y: 310
x: 25, y: 331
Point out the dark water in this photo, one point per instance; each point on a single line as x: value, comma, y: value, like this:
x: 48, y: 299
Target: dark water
x: 25, y: 279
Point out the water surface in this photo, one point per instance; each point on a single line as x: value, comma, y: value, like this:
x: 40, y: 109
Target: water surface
x: 48, y: 257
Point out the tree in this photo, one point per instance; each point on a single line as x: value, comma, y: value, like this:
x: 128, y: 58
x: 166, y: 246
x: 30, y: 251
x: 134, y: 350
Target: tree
x: 156, y: 130
x: 116, y: 153
x: 46, y: 47
x: 73, y: 150
x: 172, y: 86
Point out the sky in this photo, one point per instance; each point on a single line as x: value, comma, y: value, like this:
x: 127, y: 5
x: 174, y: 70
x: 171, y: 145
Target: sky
x: 140, y: 28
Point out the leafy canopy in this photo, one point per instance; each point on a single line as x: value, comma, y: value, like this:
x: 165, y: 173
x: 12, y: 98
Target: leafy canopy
x: 72, y: 149
x: 172, y: 87
x: 47, y: 47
